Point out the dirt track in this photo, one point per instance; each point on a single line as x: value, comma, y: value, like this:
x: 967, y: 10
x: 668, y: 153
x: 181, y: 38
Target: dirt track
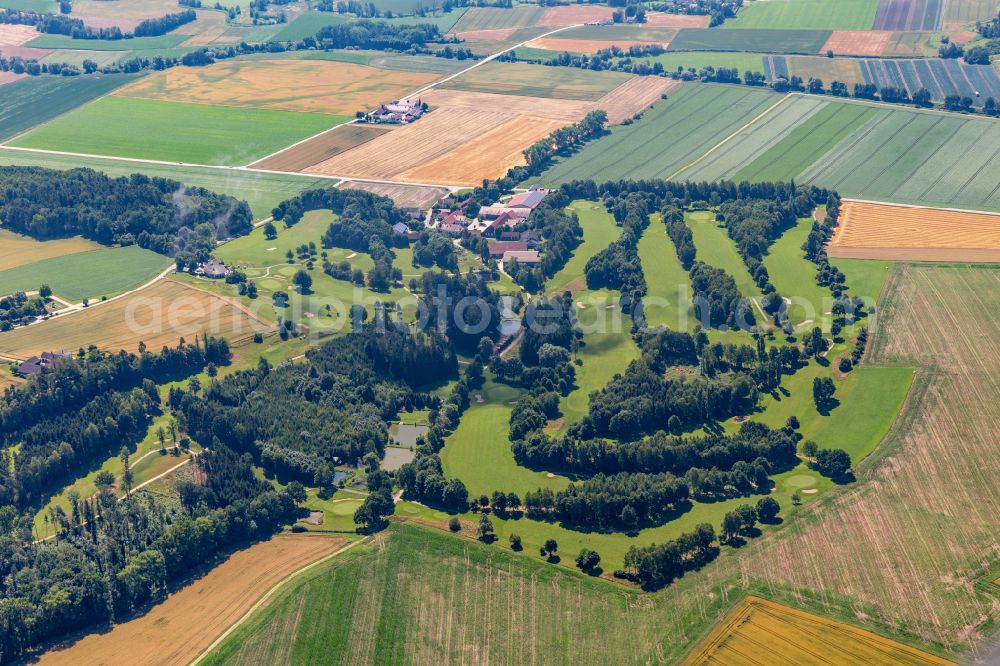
x: 177, y: 630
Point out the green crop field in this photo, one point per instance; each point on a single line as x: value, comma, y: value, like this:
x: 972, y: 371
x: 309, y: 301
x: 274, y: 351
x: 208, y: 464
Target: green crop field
x: 805, y: 42
x: 619, y: 33
x: 135, y: 44
x: 176, y: 132
x: 538, y: 81
x: 495, y: 18
x: 806, y: 14
x: 909, y: 156
x: 37, y: 99
x: 40, y: 6
x: 307, y: 25
x: 263, y: 191
x: 92, y: 274
x: 668, y: 284
x: 742, y: 62
x: 668, y: 138
x: 743, y: 147
x: 797, y: 149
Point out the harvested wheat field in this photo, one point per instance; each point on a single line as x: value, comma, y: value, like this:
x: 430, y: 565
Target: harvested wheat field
x: 177, y: 630
x: 17, y: 250
x: 634, y: 96
x: 574, y: 14
x: 292, y: 85
x: 412, y: 145
x: 123, y: 14
x: 207, y: 30
x: 323, y: 147
x: 404, y: 196
x: 858, y: 42
x: 488, y: 156
x: 661, y: 20
x: 15, y: 35
x: 584, y: 45
x: 557, y: 109
x: 792, y: 637
x: 882, y: 231
x: 158, y: 315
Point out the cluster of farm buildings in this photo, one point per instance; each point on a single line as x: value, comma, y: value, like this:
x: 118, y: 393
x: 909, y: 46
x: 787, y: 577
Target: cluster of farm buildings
x: 497, y: 222
x: 398, y: 112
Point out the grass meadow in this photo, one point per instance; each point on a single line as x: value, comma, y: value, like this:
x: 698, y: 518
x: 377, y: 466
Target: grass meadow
x: 17, y: 250
x: 716, y: 248
x: 176, y: 132
x: 757, y: 40
x: 538, y: 81
x: 263, y: 191
x: 91, y: 274
x: 167, y: 41
x: 666, y: 279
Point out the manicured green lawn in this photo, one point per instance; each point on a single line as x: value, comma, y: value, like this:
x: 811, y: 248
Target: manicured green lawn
x: 176, y: 132
x: 479, y: 452
x: 263, y: 191
x: 667, y: 282
x: 92, y: 274
x: 865, y: 277
x: 810, y: 14
x: 795, y: 278
x: 743, y: 62
x: 714, y: 247
x: 599, y: 231
x: 338, y: 511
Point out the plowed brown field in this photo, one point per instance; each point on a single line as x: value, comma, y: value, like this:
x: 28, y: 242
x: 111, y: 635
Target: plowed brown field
x: 189, y: 620
x: 634, y: 96
x: 322, y: 147
x: 858, y: 42
x: 293, y: 85
x: 489, y: 156
x: 571, y: 15
x: 157, y: 316
x: 900, y: 232
x: 10, y: 77
x: 659, y: 20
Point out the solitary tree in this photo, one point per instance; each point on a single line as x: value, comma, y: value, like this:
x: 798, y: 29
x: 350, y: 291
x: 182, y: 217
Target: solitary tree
x: 515, y: 541
x: 550, y: 548
x: 45, y: 291
x: 767, y: 509
x: 270, y: 232
x: 833, y: 463
x: 485, y: 529
x: 823, y: 391
x: 454, y: 525
x: 303, y: 281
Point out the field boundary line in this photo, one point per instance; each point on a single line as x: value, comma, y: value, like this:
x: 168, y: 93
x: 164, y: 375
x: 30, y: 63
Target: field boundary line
x: 728, y: 138
x: 429, y: 86
x: 274, y: 589
x: 923, y: 207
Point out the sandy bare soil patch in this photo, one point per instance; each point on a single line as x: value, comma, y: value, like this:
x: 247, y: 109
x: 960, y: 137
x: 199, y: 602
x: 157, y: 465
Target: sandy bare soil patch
x: 962, y: 36
x: 571, y: 15
x: 293, y: 85
x: 583, y: 45
x: 858, y: 42
x: 323, y: 147
x: 634, y: 96
x: 10, y: 77
x: 412, y: 145
x: 885, y: 231
x: 488, y: 156
x: 492, y: 35
x: 157, y: 316
x: 190, y: 619
x: 660, y: 20
x: 557, y: 109
x: 15, y: 35
x: 404, y: 196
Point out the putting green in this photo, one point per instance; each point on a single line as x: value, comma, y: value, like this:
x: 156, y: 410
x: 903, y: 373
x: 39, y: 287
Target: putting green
x: 800, y: 481
x: 408, y: 509
x: 345, y: 507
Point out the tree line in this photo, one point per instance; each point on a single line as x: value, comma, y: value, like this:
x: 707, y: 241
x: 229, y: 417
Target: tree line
x: 155, y: 213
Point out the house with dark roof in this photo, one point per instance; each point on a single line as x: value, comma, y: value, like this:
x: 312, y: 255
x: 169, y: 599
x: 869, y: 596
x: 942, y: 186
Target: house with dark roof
x: 522, y: 257
x: 400, y: 228
x: 36, y: 364
x: 213, y: 268
x: 529, y: 200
